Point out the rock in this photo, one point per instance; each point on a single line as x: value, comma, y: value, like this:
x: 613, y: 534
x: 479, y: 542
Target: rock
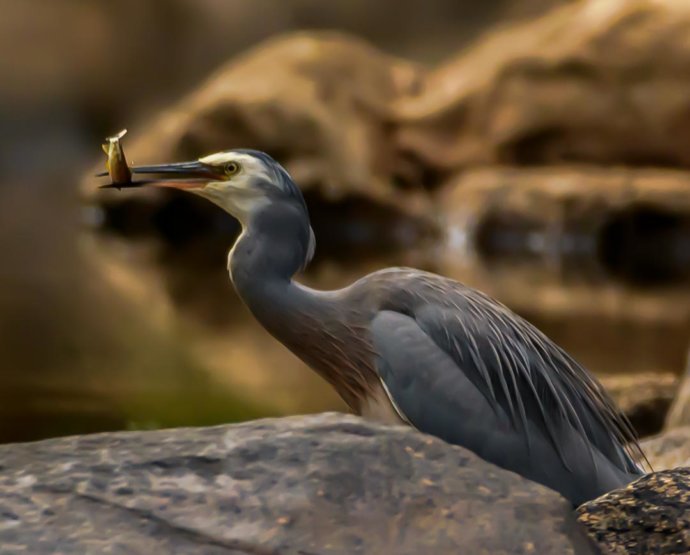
x: 623, y: 224
x: 327, y: 484
x: 644, y: 398
x: 651, y: 515
x: 669, y: 449
x: 591, y: 81
x: 679, y: 413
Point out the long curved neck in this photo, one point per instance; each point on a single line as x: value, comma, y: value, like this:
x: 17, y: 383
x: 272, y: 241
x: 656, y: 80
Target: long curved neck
x: 314, y: 325
x: 273, y: 247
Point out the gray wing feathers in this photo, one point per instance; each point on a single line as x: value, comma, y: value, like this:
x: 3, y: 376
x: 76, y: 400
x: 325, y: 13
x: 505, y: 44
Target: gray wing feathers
x: 543, y: 381
x: 427, y: 393
x: 457, y: 380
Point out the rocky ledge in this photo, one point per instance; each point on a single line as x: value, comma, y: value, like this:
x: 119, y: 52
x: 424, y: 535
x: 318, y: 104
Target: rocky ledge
x: 650, y: 516
x: 324, y: 484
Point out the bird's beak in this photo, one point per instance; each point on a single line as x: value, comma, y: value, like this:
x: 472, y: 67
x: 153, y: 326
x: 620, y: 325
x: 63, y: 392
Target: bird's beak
x: 179, y: 175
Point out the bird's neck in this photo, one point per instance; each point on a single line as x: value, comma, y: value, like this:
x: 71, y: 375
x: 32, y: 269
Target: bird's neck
x: 262, y: 263
x: 312, y: 324
x: 295, y: 315
x: 263, y: 277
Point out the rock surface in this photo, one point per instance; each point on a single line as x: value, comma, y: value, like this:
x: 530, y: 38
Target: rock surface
x: 669, y: 449
x: 623, y: 224
x: 651, y: 515
x: 592, y: 81
x: 643, y: 398
x: 326, y: 484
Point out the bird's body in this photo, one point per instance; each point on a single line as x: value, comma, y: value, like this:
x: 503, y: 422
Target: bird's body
x: 405, y: 346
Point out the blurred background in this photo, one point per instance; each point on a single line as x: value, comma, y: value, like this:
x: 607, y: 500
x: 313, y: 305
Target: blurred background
x: 536, y: 149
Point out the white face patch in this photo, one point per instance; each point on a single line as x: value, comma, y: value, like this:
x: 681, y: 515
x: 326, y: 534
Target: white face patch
x: 251, y: 167
x: 236, y: 194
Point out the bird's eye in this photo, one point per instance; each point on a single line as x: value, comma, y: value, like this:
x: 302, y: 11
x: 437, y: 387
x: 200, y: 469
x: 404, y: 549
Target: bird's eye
x: 231, y: 168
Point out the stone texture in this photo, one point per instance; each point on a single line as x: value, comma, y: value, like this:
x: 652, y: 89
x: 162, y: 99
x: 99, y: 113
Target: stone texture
x: 651, y: 515
x: 643, y: 398
x: 326, y: 484
x: 669, y: 449
x: 576, y: 210
x: 595, y: 81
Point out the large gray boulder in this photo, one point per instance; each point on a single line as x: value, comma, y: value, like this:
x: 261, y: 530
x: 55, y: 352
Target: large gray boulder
x: 326, y: 484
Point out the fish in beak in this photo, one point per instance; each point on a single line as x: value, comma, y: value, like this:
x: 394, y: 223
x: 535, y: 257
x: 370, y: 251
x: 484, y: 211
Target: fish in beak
x: 179, y: 175
x: 116, y: 164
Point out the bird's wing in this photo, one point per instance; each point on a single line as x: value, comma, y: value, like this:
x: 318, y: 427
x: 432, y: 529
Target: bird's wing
x: 474, y: 380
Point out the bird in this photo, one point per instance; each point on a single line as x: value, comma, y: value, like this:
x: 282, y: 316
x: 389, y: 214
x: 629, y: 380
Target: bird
x: 408, y: 347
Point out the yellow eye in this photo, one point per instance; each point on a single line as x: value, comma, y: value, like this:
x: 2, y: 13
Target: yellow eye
x: 231, y: 168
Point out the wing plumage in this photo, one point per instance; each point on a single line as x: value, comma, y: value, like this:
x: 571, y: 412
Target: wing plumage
x: 436, y: 335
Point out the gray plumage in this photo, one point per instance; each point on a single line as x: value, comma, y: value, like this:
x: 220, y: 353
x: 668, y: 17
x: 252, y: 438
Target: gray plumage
x: 498, y: 386
x: 446, y: 359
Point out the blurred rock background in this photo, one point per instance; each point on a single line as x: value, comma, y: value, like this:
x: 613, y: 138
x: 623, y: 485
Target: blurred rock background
x: 535, y: 149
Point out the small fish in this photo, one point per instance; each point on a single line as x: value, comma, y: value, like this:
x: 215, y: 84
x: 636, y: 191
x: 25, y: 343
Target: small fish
x: 120, y: 174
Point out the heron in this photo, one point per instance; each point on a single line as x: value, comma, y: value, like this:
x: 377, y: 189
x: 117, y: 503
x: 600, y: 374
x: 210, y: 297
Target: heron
x: 405, y: 346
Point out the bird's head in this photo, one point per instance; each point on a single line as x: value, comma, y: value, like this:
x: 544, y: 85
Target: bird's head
x: 242, y: 182
x: 253, y: 188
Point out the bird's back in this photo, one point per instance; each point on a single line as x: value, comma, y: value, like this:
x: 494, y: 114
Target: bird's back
x: 461, y: 366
